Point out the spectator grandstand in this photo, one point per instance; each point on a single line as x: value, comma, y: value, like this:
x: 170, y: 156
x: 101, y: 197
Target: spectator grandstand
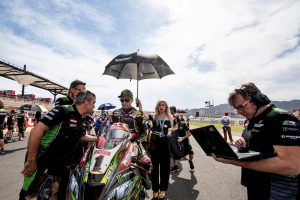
x: 12, y: 101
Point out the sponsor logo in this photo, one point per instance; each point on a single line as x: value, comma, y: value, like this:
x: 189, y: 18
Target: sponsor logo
x: 126, y: 160
x: 292, y: 123
x: 110, y: 172
x: 73, y: 120
x: 50, y: 113
x: 117, y: 113
x: 85, y: 157
x: 48, y: 117
x: 293, y: 137
x: 120, y: 178
x: 258, y: 125
x: 102, y: 152
x: 122, y: 59
x: 293, y: 129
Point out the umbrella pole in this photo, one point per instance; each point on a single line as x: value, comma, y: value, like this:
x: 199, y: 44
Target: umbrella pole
x: 137, y: 83
x: 137, y: 89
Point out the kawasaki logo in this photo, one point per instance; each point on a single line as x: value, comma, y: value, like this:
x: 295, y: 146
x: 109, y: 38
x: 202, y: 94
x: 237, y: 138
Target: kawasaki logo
x: 122, y: 59
x: 258, y: 125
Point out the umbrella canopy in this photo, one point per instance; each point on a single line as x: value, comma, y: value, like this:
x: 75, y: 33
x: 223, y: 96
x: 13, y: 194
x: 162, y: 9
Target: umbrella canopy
x: 106, y: 106
x: 33, y: 107
x: 137, y: 66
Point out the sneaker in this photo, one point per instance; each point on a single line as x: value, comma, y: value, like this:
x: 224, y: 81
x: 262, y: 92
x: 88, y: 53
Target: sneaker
x: 191, y: 164
x: 2, y: 151
x: 155, y: 196
x: 162, y: 195
x: 175, y: 168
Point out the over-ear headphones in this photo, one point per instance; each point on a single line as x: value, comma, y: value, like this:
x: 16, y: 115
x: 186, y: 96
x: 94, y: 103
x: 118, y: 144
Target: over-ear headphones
x: 258, y: 98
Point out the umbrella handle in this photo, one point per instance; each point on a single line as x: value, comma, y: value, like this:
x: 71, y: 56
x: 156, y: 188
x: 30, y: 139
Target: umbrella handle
x: 139, y: 105
x: 137, y: 93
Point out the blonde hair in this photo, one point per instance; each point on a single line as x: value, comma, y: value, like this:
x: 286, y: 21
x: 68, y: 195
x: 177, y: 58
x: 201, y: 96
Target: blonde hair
x: 168, y: 112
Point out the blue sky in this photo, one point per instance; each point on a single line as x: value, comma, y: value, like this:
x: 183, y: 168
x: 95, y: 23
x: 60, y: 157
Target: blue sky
x: 212, y: 46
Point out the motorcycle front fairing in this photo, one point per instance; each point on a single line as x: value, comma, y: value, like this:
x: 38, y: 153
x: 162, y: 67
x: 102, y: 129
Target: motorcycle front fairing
x: 126, y: 182
x: 103, y: 161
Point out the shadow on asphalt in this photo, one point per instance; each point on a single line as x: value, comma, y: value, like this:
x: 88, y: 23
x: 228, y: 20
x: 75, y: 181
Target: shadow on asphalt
x: 13, y: 150
x: 182, y: 188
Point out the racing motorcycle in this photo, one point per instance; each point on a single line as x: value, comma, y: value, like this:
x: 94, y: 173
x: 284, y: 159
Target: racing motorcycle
x: 113, y: 168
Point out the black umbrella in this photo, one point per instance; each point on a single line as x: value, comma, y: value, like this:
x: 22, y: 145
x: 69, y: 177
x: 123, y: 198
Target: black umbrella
x: 33, y: 107
x: 106, y: 106
x: 137, y: 66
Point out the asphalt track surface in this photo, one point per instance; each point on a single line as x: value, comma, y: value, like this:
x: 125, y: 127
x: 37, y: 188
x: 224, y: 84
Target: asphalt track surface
x: 209, y: 181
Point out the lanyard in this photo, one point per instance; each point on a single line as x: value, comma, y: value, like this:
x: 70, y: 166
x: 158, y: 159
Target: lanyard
x: 161, y: 125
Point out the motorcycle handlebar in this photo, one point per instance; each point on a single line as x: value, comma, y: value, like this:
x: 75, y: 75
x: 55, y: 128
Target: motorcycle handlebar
x: 141, y: 165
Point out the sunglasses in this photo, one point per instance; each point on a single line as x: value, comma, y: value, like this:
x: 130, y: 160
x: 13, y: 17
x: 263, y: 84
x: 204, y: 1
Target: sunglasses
x: 124, y: 100
x: 242, y: 106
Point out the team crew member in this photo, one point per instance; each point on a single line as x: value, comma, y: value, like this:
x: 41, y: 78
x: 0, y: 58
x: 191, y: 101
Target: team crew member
x: 37, y: 117
x: 11, y: 119
x: 270, y: 131
x: 184, y: 134
x: 2, y: 126
x: 75, y: 87
x: 52, y: 143
x: 21, y: 121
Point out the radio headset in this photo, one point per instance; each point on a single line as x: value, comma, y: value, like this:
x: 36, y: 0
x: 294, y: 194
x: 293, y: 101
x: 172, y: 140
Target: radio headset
x: 258, y: 98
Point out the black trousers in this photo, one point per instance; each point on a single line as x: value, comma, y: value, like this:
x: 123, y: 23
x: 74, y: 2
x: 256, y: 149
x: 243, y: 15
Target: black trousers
x: 160, y: 156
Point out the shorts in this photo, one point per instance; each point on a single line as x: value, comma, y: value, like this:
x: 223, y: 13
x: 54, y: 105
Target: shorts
x: 22, y: 129
x: 188, y: 147
x: 1, y: 134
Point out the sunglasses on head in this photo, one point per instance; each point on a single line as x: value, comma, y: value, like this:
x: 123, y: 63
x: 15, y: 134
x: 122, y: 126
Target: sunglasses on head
x: 125, y: 100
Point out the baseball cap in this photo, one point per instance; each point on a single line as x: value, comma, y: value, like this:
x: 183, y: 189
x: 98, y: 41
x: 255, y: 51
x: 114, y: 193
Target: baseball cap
x: 126, y: 94
x: 77, y: 82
